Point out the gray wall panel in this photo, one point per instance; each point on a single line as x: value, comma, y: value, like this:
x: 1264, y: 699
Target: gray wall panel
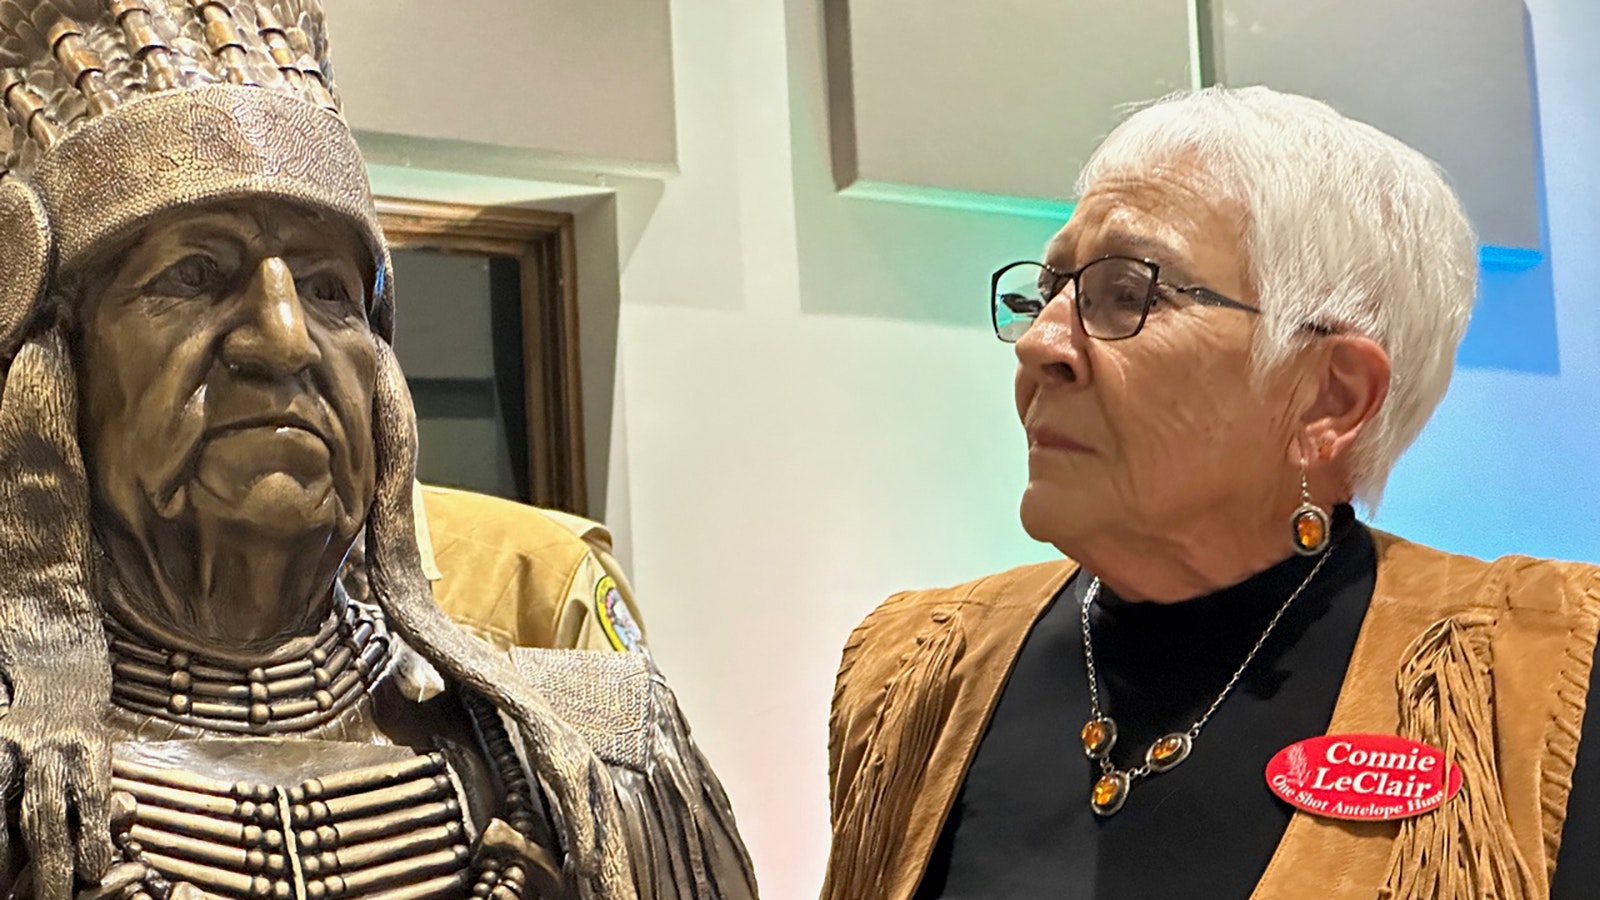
x: 1450, y: 77
x: 1008, y: 97
x: 589, y: 79
x: 1003, y: 97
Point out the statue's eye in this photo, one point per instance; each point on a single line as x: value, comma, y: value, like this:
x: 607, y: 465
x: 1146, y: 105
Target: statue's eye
x: 191, y: 276
x: 327, y: 290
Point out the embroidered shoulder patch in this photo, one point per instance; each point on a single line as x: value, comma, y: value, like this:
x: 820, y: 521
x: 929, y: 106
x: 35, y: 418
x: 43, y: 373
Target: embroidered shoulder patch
x: 615, y: 617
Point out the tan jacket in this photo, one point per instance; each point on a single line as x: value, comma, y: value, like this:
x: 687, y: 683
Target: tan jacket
x: 1461, y: 640
x: 517, y: 575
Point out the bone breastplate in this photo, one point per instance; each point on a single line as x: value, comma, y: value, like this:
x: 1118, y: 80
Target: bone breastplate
x: 299, y: 819
x: 315, y: 775
x: 311, y: 820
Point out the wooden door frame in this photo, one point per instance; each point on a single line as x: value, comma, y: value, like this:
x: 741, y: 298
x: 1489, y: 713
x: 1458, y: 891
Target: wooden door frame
x: 542, y: 244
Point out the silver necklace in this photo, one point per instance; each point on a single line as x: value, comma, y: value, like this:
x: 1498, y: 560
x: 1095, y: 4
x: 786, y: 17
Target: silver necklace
x: 1099, y: 734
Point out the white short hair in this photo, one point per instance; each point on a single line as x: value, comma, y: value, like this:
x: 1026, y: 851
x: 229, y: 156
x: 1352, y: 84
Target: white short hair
x: 1346, y: 228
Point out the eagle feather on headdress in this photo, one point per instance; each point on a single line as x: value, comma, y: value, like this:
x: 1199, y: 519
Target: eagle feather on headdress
x: 25, y: 25
x: 307, y: 16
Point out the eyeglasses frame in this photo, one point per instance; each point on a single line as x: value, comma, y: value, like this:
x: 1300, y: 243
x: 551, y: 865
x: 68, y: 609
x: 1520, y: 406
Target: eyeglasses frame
x: 1200, y: 294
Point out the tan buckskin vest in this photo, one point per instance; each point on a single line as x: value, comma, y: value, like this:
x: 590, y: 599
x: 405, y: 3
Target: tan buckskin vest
x: 1487, y: 660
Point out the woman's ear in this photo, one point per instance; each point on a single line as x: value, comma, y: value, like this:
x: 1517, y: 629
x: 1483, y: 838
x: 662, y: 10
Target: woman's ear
x: 1352, y: 381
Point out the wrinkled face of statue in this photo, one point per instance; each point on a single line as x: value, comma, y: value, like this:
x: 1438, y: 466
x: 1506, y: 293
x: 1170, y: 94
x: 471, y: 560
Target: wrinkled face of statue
x: 227, y: 377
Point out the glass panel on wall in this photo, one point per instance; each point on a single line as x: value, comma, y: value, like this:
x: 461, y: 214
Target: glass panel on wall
x: 458, y: 336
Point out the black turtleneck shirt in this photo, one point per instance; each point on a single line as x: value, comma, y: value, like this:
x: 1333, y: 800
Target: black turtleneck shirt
x: 1021, y: 827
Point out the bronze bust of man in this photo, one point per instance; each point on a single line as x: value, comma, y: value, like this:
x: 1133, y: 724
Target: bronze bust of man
x: 201, y: 413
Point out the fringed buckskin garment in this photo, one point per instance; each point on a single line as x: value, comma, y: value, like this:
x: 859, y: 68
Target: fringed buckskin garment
x: 956, y: 767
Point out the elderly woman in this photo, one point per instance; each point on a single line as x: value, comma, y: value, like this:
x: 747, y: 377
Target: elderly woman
x: 1251, y: 314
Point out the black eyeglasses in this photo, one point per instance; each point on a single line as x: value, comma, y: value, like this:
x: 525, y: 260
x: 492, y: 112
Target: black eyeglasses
x: 1113, y: 296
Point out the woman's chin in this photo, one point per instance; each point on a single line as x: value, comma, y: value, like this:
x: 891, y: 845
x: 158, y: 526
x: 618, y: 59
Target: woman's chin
x: 1052, y: 515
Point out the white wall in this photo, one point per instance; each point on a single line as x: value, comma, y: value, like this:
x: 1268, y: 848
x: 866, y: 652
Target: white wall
x: 786, y: 470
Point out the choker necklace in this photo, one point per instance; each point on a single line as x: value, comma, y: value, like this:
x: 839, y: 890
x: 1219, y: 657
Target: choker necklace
x: 348, y: 656
x: 1099, y: 734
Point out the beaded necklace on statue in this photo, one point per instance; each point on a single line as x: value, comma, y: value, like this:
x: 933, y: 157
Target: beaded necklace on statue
x: 1099, y: 734
x: 286, y: 694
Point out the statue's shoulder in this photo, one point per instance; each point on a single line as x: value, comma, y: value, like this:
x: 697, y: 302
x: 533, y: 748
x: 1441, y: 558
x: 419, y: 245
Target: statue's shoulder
x: 681, y: 832
x: 615, y: 701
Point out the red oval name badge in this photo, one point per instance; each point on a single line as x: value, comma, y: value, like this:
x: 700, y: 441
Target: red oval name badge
x: 1366, y: 777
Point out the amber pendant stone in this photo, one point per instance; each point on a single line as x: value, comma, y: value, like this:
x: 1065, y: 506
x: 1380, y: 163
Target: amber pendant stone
x: 1110, y: 791
x: 1310, y: 530
x: 1098, y: 737
x: 1167, y: 752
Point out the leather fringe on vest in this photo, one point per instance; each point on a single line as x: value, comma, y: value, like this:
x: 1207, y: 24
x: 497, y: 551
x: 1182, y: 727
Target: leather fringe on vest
x: 913, y: 709
x: 1465, y: 850
x: 1572, y: 688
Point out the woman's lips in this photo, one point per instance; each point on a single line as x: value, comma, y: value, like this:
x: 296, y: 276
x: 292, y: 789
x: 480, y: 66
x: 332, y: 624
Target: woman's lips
x: 1048, y: 439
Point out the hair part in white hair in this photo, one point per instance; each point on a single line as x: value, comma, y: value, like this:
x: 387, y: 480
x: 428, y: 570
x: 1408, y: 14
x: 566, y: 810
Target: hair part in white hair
x: 1346, y: 228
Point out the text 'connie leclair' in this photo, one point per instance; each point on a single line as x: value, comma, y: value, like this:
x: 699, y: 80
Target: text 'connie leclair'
x: 1377, y: 778
x: 1366, y: 777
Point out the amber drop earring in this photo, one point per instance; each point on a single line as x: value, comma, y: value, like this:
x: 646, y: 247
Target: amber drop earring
x: 1309, y: 527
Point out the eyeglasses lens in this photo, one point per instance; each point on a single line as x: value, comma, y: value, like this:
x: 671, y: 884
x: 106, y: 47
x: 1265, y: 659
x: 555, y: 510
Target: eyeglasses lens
x: 1020, y: 294
x: 1113, y: 296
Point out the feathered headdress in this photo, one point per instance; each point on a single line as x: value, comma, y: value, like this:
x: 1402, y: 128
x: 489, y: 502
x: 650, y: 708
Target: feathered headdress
x: 119, y: 110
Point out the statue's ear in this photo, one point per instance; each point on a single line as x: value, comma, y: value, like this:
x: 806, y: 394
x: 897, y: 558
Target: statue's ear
x: 25, y: 258
x: 380, y: 313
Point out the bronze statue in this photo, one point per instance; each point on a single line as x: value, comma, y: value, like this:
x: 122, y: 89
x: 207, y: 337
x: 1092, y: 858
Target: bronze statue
x: 200, y: 414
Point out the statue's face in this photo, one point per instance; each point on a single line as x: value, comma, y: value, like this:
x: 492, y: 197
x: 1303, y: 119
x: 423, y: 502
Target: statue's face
x: 227, y: 373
